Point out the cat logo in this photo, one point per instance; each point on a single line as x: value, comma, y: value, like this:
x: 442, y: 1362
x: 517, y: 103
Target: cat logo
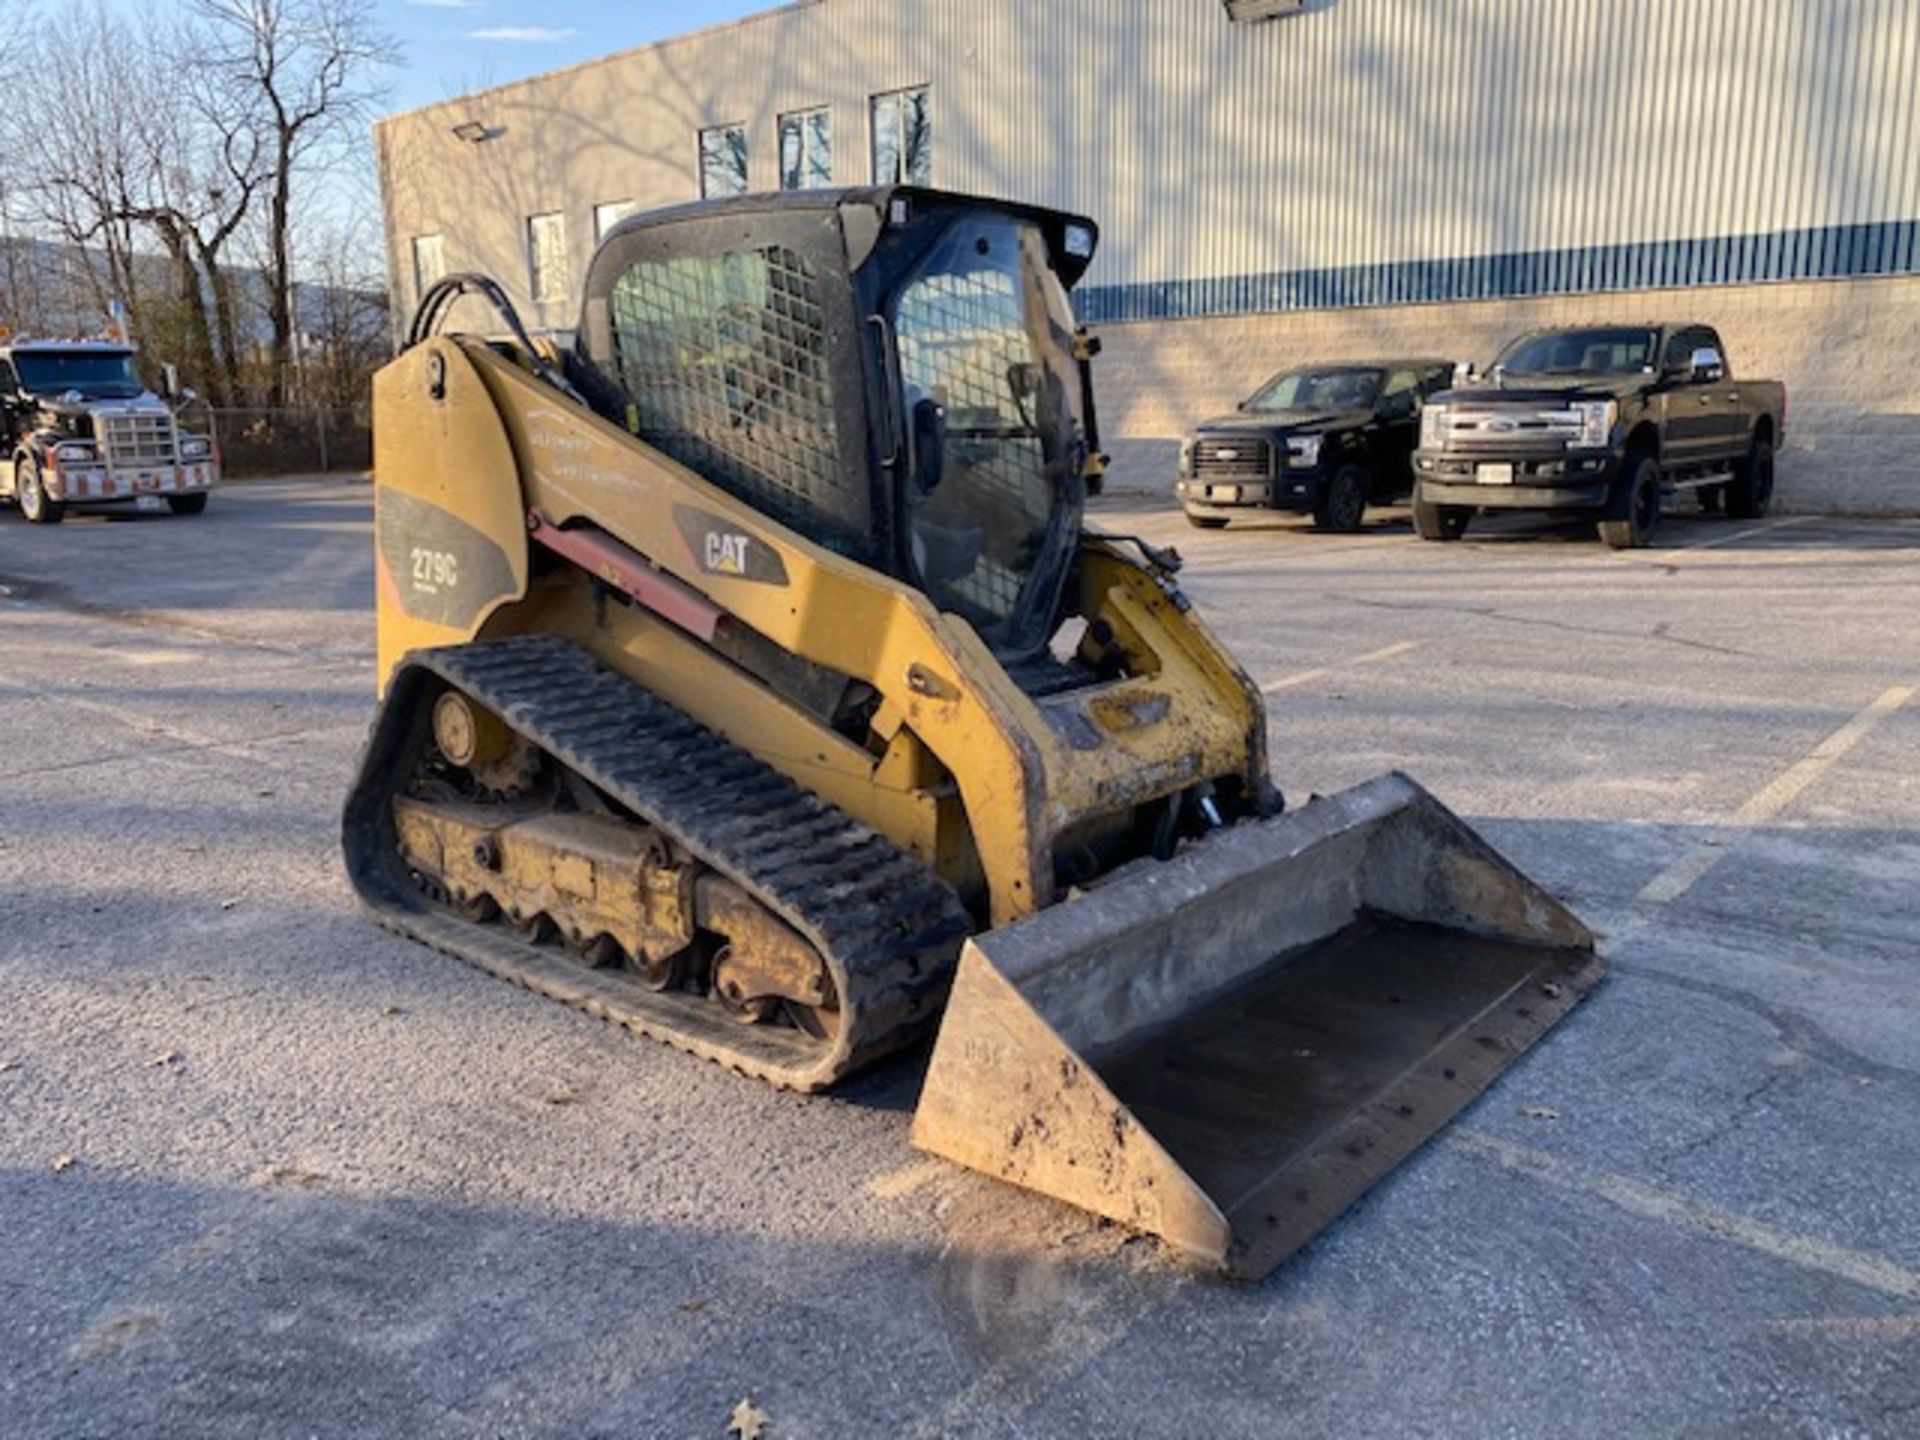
x: 726, y: 554
x: 717, y: 548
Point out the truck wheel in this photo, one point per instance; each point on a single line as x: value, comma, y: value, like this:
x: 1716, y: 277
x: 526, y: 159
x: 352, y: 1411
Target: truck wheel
x: 1752, y: 489
x: 187, y: 504
x: 1439, y: 522
x: 1342, y: 501
x: 1634, y: 511
x: 1206, y: 522
x: 32, y: 495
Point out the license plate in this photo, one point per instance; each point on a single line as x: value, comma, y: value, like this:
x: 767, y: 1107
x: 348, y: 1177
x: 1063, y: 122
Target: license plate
x: 1494, y: 474
x: 148, y: 502
x: 1224, y: 494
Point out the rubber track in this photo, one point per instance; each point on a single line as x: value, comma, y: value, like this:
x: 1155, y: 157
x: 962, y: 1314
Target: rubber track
x: 889, y: 928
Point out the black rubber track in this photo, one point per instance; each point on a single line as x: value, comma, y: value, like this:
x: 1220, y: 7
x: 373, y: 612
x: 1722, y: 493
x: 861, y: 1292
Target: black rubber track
x: 889, y: 928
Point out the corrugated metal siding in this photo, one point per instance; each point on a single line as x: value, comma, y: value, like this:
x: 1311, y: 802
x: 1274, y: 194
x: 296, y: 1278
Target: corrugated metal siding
x: 1368, y: 152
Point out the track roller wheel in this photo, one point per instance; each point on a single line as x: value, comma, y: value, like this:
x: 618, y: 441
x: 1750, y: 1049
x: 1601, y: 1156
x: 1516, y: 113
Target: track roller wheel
x: 665, y: 972
x: 536, y: 929
x: 822, y: 1022
x: 598, y: 952
x: 754, y: 1010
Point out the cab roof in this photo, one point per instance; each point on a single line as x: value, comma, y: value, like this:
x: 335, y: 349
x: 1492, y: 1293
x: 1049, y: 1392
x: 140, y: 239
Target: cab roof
x: 66, y: 347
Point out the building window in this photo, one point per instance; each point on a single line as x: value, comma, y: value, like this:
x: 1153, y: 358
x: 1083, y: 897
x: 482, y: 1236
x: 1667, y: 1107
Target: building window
x: 606, y: 216
x: 547, y: 255
x: 806, y: 149
x: 429, y: 262
x: 723, y: 161
x: 902, y: 138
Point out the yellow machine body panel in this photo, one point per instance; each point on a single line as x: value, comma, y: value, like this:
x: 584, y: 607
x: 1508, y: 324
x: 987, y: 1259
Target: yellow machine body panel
x: 450, y: 531
x: 1025, y: 771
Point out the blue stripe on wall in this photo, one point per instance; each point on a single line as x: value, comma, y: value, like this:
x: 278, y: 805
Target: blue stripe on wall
x: 1826, y: 253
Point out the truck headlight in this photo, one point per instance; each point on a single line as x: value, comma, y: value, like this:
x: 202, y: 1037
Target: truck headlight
x: 73, y: 452
x: 1304, y: 449
x: 1433, y: 423
x: 195, y: 447
x: 1596, y: 423
x: 1186, y: 456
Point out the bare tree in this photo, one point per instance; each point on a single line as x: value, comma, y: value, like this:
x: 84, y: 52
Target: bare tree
x: 82, y: 170
x: 139, y: 142
x: 344, y: 309
x: 314, y: 67
x: 202, y: 164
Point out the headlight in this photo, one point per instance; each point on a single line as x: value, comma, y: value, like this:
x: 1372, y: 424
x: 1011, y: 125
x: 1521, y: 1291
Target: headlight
x: 1304, y: 449
x: 195, y: 447
x: 1186, y: 456
x: 73, y: 451
x: 1433, y: 421
x: 1596, y: 423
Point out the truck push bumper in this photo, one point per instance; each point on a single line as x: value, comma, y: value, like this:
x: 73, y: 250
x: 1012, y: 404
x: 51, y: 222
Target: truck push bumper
x: 1227, y: 1049
x: 85, y: 484
x: 1591, y: 496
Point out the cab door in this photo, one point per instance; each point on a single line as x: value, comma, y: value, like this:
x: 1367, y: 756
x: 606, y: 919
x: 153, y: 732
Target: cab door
x: 1696, y: 407
x: 1397, y: 433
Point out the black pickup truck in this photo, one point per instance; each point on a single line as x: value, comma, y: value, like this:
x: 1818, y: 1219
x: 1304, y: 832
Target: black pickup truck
x: 1608, y: 421
x: 1330, y: 439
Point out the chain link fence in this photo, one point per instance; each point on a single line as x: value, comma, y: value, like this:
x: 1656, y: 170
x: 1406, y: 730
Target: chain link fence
x: 256, y: 441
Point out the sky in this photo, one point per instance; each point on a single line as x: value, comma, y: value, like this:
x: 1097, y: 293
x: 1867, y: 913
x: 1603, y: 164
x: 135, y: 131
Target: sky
x: 456, y: 46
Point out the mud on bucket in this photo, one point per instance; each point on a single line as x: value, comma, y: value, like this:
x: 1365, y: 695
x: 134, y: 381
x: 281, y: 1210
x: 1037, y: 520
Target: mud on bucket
x: 1228, y: 1048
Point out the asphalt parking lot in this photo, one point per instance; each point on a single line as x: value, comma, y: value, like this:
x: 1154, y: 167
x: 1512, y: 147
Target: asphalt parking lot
x: 265, y: 1170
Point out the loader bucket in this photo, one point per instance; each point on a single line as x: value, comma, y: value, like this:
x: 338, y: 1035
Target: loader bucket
x: 1228, y: 1048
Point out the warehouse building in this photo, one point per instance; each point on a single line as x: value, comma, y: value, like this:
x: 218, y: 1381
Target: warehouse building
x: 1284, y: 181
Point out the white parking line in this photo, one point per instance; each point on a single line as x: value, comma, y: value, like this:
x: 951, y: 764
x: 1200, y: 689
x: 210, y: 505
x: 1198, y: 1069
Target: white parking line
x: 907, y: 1179
x: 1305, y: 677
x: 1889, y: 1328
x: 1683, y: 874
x: 1855, y: 1266
x: 1733, y: 536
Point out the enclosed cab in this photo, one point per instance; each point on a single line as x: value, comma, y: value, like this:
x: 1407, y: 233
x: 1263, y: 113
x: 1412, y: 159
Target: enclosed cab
x: 80, y: 428
x: 1327, y: 440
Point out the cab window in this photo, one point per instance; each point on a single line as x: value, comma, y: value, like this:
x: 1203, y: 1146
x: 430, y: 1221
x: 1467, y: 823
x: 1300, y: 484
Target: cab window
x: 1684, y: 342
x: 1401, y: 397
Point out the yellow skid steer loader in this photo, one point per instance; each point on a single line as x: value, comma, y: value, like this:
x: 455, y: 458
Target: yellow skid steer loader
x: 749, y: 678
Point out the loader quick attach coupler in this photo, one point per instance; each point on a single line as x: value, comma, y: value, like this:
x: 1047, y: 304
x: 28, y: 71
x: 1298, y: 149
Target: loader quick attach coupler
x: 1227, y: 1049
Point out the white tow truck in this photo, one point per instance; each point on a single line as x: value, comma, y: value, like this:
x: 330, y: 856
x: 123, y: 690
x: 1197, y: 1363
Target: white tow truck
x: 78, y: 427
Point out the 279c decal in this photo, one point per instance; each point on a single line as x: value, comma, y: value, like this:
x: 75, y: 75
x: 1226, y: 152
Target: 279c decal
x: 434, y: 570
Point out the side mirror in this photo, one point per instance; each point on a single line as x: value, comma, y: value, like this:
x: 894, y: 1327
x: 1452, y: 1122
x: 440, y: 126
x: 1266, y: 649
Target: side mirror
x: 929, y: 444
x: 1465, y: 372
x: 170, y: 381
x: 1023, y: 380
x: 1706, y: 366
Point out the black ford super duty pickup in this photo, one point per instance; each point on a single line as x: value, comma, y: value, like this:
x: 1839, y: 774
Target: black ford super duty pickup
x: 1330, y: 439
x: 1608, y: 421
